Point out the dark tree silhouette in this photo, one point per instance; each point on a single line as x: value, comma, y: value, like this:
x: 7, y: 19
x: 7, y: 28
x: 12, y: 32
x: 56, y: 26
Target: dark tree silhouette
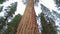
x: 12, y: 26
x: 9, y: 11
x: 47, y: 26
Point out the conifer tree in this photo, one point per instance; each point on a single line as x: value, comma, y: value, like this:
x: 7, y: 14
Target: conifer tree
x: 28, y: 24
x: 47, y: 26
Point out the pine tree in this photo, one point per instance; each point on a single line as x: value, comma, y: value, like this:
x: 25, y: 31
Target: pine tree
x: 2, y: 22
x: 12, y: 26
x: 57, y: 3
x: 1, y: 1
x: 47, y: 26
x: 9, y: 11
x: 1, y: 7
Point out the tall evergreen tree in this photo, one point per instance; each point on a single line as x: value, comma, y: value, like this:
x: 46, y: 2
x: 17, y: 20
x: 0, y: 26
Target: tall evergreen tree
x: 1, y: 1
x: 47, y: 26
x: 2, y: 22
x: 1, y: 7
x: 57, y: 3
x: 12, y: 26
x: 28, y: 24
x: 9, y: 11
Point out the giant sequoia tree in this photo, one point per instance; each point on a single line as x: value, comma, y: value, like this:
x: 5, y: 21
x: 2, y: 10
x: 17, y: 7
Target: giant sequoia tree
x: 28, y: 24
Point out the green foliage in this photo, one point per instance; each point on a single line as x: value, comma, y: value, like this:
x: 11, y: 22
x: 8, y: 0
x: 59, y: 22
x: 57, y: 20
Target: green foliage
x: 47, y: 27
x: 9, y: 11
x: 2, y: 22
x: 1, y: 7
x: 57, y: 14
x: 45, y: 10
x: 57, y: 3
x: 12, y: 26
x: 1, y: 1
x: 12, y: 9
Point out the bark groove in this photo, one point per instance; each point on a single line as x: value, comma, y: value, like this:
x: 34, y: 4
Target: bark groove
x: 28, y: 24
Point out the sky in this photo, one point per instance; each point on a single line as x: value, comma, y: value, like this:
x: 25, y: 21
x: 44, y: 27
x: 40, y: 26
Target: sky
x: 48, y: 3
x: 21, y: 7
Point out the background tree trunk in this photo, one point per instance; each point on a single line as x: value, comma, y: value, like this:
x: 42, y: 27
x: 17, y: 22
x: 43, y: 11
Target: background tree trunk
x: 28, y: 24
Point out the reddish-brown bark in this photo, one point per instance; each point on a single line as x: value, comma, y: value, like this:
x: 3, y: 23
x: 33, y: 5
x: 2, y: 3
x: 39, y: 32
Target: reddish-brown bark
x: 28, y: 24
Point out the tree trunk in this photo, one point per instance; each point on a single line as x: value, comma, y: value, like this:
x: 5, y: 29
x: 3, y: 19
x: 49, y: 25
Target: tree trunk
x: 28, y: 24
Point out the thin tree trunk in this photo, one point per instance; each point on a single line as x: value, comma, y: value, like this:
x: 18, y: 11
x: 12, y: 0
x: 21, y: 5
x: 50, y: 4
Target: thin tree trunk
x: 28, y: 24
